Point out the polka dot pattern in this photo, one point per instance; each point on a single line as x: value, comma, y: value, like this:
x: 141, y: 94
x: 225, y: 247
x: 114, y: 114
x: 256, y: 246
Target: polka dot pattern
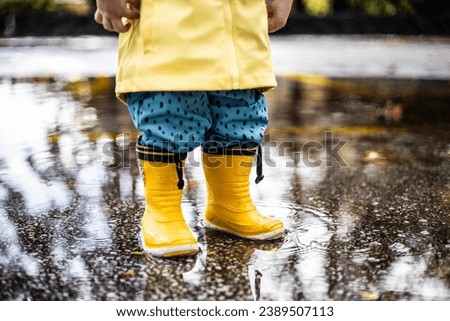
x: 183, y: 120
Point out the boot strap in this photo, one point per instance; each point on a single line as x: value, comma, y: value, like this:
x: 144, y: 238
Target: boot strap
x: 241, y: 150
x: 158, y: 155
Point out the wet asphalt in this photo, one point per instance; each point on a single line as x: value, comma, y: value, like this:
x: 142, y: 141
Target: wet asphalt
x: 358, y: 169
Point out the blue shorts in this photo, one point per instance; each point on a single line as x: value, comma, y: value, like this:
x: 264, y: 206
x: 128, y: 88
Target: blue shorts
x: 179, y: 121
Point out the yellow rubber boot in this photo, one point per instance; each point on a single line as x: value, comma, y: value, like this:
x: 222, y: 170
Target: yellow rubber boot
x: 229, y: 207
x: 164, y: 231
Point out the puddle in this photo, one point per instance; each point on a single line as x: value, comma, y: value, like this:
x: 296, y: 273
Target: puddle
x: 357, y: 169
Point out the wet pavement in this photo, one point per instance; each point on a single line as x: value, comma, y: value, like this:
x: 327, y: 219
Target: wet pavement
x: 356, y: 164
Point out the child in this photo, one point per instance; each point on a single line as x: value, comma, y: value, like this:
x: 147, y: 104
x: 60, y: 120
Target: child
x: 192, y: 73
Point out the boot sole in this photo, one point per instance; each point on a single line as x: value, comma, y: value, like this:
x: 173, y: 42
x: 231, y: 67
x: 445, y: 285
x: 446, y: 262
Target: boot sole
x: 261, y: 237
x: 170, y: 251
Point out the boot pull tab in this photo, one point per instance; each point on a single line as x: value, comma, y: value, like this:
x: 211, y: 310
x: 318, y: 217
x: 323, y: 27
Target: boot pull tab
x: 179, y: 167
x: 259, y: 166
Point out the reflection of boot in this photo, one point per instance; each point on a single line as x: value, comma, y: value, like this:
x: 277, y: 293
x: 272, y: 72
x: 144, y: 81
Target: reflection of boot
x: 229, y: 207
x: 164, y: 231
x: 165, y: 278
x: 229, y: 274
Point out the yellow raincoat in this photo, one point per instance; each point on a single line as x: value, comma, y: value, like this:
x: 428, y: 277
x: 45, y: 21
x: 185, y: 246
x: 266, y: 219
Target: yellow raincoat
x: 196, y: 45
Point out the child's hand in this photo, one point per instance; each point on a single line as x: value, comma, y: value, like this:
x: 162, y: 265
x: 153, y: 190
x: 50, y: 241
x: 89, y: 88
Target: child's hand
x: 278, y: 12
x: 109, y: 13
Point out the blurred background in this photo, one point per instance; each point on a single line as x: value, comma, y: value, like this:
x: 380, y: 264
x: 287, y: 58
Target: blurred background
x: 62, y: 17
x: 357, y: 163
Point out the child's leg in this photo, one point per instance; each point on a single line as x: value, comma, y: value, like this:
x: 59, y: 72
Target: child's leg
x: 239, y: 122
x: 238, y: 117
x: 171, y: 123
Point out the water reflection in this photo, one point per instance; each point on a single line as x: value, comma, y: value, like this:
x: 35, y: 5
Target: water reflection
x: 375, y: 228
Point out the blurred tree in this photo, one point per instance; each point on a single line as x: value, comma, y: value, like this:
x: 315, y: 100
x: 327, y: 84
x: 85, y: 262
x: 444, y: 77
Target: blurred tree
x: 318, y: 8
x: 14, y: 5
x: 382, y: 7
x: 373, y: 7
